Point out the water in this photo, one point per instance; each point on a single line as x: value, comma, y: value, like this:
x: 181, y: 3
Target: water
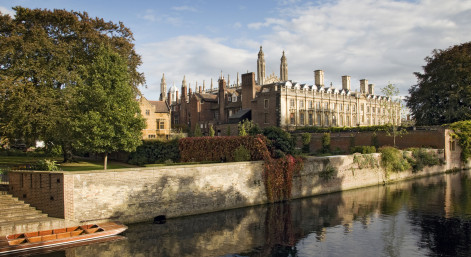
x: 425, y: 217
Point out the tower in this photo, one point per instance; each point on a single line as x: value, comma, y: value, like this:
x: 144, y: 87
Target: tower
x: 163, y: 88
x: 283, y: 68
x: 184, y: 90
x: 260, y: 67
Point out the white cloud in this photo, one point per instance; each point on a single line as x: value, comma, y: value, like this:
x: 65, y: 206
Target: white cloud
x: 197, y: 57
x: 184, y: 8
x: 8, y: 11
x: 378, y: 40
x: 149, y: 15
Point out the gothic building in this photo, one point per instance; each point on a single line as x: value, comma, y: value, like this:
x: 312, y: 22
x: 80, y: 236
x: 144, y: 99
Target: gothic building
x: 273, y: 101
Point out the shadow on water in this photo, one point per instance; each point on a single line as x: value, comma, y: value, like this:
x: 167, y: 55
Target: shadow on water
x: 437, y: 212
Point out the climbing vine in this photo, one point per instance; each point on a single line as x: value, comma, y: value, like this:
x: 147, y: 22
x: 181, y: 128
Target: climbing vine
x: 462, y: 132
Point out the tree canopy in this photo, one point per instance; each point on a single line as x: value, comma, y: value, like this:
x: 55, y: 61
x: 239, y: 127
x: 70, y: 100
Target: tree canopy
x: 443, y: 91
x: 45, y: 57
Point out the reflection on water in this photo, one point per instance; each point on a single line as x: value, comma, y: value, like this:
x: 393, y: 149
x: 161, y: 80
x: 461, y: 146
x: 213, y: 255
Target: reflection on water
x: 430, y: 216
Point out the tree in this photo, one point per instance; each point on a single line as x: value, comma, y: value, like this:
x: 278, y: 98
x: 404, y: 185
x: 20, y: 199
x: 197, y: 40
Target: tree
x: 197, y: 131
x: 40, y: 56
x: 211, y: 131
x: 393, y: 111
x: 443, y: 91
x: 106, y: 114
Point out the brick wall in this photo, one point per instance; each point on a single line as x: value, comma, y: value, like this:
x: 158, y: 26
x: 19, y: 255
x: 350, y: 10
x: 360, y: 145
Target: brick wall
x: 43, y: 190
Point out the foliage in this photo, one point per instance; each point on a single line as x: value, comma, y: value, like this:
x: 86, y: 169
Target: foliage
x: 280, y: 142
x: 443, y: 94
x: 211, y: 131
x: 328, y: 172
x: 326, y: 143
x: 106, y: 115
x: 365, y: 161
x: 374, y: 140
x: 217, y: 149
x: 462, y: 132
x: 248, y: 127
x: 197, y: 131
x: 306, y: 139
x: 154, y: 151
x: 363, y: 149
x: 40, y: 59
x: 312, y: 129
x: 421, y: 158
x: 241, y: 154
x: 48, y: 165
x: 278, y: 176
x: 392, y: 160
x: 242, y: 129
x: 392, y: 128
x: 228, y: 131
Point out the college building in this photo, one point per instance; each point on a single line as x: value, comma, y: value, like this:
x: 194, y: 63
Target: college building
x: 279, y: 101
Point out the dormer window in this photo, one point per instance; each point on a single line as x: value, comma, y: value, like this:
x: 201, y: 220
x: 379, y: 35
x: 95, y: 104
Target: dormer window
x: 229, y: 99
x: 234, y: 98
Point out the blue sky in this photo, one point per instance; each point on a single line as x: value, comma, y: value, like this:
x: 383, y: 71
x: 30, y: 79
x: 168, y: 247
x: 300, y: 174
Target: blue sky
x: 380, y: 40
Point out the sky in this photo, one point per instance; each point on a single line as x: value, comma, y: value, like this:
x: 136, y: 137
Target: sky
x: 383, y: 41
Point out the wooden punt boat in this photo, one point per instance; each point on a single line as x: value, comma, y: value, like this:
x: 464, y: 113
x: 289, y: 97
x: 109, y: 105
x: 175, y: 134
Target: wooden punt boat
x: 34, y: 241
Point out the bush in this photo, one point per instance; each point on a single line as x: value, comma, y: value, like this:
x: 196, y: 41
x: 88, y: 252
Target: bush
x: 280, y: 142
x: 462, y: 132
x: 241, y: 154
x: 422, y: 158
x: 48, y: 165
x: 216, y: 149
x: 363, y: 149
x: 393, y: 160
x: 306, y: 138
x: 154, y: 151
x: 326, y: 143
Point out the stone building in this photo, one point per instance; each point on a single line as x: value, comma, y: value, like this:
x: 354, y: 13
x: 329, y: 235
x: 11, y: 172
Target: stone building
x: 272, y: 101
x: 157, y: 114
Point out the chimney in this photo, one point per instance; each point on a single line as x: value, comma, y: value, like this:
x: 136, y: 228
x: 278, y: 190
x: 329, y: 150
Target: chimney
x: 319, y: 77
x: 199, y: 90
x: 169, y: 100
x: 346, y: 82
x: 363, y: 86
x: 371, y: 89
x: 248, y: 89
x: 222, y: 99
x: 176, y: 97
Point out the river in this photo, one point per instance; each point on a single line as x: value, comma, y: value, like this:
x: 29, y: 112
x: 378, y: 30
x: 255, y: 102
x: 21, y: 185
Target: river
x: 424, y: 217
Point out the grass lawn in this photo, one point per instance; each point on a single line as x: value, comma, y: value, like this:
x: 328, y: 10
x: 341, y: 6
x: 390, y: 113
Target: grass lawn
x: 80, y: 165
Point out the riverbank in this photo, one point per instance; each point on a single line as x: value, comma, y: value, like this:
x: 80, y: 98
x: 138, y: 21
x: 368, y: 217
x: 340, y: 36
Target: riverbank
x: 140, y: 194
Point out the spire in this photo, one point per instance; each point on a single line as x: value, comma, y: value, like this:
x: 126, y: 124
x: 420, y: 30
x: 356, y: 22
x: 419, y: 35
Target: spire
x: 228, y: 81
x: 211, y: 88
x: 203, y: 86
x: 163, y: 88
x: 184, y: 81
x: 260, y: 67
x: 237, y: 79
x: 284, y: 68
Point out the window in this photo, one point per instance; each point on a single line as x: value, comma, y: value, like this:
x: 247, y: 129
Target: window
x: 318, y: 119
x: 291, y: 103
x: 341, y: 107
x: 265, y: 103
x: 151, y: 136
x: 291, y: 118
x: 326, y: 106
x: 334, y: 106
x: 301, y: 118
x: 147, y: 112
x: 368, y: 109
x: 234, y: 98
x: 301, y: 104
x: 326, y: 120
x: 362, y: 107
x: 160, y: 124
x: 266, y: 118
x: 310, y: 104
x: 318, y: 105
x: 353, y: 107
x: 334, y: 120
x: 230, y: 113
x: 229, y: 99
x: 310, y: 119
x: 348, y: 121
x: 347, y: 107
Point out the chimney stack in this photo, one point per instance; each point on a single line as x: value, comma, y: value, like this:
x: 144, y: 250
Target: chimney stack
x: 346, y: 82
x: 319, y: 77
x: 363, y: 86
x: 371, y: 89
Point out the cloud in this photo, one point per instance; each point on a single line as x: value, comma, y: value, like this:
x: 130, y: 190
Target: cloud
x: 8, y: 11
x: 378, y: 40
x: 197, y: 57
x: 184, y: 8
x: 149, y: 15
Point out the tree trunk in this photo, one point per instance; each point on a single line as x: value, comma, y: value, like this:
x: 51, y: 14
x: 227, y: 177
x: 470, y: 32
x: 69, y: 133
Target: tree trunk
x: 105, y: 164
x: 67, y: 153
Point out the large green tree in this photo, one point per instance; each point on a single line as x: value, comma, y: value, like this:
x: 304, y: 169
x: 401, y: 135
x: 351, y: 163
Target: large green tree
x: 41, y: 52
x: 443, y: 91
x: 104, y: 108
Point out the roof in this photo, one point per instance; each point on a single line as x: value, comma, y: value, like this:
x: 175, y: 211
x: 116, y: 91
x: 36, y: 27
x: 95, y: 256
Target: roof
x: 241, y: 115
x: 207, y: 97
x: 160, y: 106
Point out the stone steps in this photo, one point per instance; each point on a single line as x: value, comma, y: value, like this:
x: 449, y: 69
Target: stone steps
x: 17, y: 217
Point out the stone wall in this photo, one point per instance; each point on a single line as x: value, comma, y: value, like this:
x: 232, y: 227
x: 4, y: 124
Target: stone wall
x: 134, y: 195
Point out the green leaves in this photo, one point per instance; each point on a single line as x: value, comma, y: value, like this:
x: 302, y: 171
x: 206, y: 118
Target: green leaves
x: 443, y: 94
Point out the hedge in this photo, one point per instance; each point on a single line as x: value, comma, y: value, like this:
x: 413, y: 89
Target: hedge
x: 222, y: 148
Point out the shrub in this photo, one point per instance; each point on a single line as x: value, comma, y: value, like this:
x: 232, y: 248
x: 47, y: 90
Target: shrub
x: 326, y: 143
x: 216, y: 149
x: 278, y: 176
x: 280, y: 142
x: 328, y: 172
x: 363, y: 149
x: 306, y: 138
x: 154, y: 151
x: 48, y: 165
x: 462, y: 132
x: 241, y: 154
x: 421, y: 158
x: 393, y: 160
